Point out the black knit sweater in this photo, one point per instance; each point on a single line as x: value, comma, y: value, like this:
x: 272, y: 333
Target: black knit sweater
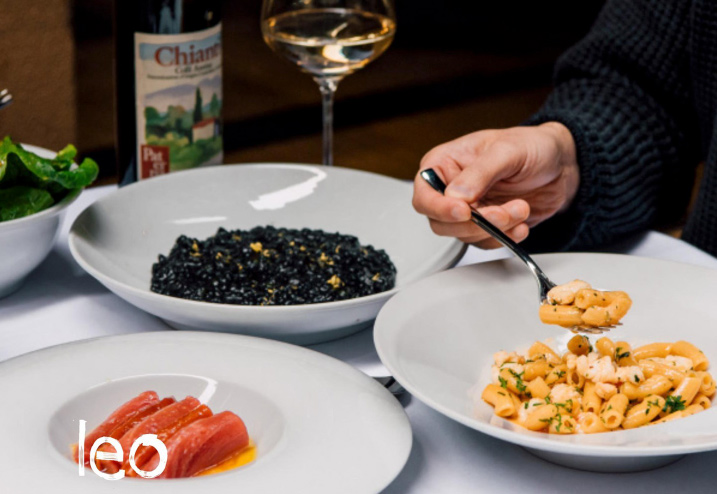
x: 639, y: 94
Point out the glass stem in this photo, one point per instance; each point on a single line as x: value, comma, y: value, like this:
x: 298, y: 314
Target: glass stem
x: 327, y: 86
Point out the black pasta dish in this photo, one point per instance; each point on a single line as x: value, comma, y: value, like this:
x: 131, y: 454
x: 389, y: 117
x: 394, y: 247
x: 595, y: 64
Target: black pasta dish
x: 272, y: 266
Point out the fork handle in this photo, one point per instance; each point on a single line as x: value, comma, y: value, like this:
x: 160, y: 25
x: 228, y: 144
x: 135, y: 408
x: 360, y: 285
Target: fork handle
x: 430, y: 176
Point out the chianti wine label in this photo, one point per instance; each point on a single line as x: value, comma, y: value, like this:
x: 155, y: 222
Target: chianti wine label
x: 178, y: 80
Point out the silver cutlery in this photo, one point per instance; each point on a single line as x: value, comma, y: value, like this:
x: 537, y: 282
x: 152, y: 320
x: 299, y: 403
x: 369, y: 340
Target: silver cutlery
x: 544, y: 283
x: 5, y: 98
x: 390, y: 384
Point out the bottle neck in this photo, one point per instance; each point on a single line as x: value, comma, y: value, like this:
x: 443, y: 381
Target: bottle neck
x: 168, y: 16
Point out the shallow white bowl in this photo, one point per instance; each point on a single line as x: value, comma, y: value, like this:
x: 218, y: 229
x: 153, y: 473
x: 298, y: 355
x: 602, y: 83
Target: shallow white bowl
x: 320, y: 426
x: 26, y: 242
x: 437, y: 337
x: 119, y: 237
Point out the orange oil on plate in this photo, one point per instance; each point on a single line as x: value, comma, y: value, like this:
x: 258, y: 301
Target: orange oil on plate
x: 243, y: 457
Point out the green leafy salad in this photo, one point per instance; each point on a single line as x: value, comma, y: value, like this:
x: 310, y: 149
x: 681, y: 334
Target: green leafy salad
x: 30, y: 184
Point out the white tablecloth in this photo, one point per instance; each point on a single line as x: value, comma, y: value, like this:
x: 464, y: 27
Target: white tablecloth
x: 61, y: 303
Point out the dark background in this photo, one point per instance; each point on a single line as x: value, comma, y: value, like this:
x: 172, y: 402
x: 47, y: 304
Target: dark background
x: 454, y: 67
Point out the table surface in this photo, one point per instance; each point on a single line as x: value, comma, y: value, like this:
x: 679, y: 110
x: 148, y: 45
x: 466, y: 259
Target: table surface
x: 61, y: 303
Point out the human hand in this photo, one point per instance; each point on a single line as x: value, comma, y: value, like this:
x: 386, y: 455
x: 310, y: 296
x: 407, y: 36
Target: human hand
x: 516, y: 177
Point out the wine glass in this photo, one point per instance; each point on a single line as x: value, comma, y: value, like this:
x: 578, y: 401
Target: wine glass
x: 328, y: 39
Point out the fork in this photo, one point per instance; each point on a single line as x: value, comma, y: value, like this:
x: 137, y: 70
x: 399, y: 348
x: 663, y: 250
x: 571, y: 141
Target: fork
x: 390, y: 383
x: 5, y: 98
x: 544, y: 283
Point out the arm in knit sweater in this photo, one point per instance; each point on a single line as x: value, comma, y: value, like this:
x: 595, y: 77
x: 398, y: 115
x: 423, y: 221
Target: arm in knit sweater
x: 624, y: 93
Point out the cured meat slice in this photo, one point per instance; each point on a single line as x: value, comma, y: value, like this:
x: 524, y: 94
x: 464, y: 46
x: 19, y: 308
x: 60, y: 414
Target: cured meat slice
x: 197, y: 441
x: 144, y: 453
x: 158, y: 421
x: 121, y: 415
x: 121, y: 430
x: 203, y: 444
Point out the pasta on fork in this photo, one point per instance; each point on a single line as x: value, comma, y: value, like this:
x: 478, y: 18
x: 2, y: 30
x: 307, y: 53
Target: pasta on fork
x: 578, y: 304
x: 601, y: 388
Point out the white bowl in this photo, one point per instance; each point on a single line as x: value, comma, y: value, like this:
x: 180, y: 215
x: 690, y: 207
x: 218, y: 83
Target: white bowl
x: 26, y: 242
x: 118, y: 239
x: 320, y: 426
x: 437, y: 338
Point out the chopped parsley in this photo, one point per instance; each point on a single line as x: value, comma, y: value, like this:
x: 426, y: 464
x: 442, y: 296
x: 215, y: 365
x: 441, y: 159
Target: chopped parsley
x: 674, y: 404
x: 620, y: 355
x: 548, y: 420
x: 650, y: 404
x: 519, y: 384
x: 515, y: 374
x: 560, y: 422
x: 568, y: 405
x: 503, y: 382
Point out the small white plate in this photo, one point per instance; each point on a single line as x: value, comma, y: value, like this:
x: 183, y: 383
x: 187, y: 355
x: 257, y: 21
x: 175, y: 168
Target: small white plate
x: 320, y: 426
x: 119, y: 237
x: 438, y: 336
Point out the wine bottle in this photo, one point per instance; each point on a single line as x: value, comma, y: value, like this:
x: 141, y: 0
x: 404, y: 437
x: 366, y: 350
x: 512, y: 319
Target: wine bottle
x: 168, y: 78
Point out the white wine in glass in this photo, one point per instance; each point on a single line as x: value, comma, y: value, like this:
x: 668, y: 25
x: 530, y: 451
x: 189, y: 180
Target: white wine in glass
x: 329, y: 39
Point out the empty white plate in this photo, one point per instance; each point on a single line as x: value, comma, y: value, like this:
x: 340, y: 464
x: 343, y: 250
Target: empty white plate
x: 438, y: 337
x: 320, y: 426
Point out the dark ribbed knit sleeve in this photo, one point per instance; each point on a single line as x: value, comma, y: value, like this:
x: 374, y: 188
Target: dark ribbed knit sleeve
x: 624, y: 93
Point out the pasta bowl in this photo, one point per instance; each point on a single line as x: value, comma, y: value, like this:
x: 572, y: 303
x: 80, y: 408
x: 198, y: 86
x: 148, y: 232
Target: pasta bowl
x: 119, y: 237
x: 438, y: 338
